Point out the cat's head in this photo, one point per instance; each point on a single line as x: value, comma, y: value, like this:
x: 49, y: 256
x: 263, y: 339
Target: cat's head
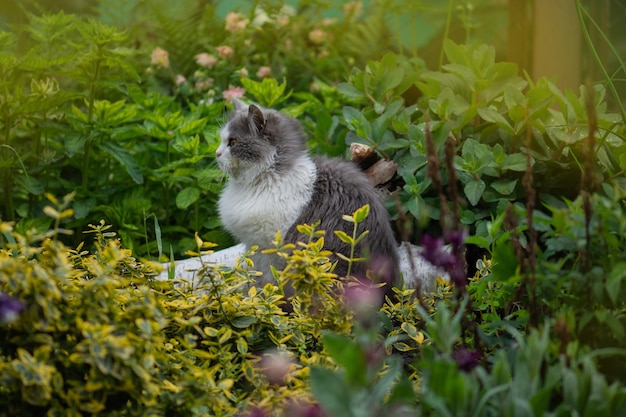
x: 256, y: 140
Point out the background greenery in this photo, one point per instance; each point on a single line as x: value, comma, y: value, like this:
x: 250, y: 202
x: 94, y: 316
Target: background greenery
x: 110, y: 119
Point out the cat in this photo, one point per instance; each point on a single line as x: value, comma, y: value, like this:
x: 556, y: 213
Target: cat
x: 274, y: 184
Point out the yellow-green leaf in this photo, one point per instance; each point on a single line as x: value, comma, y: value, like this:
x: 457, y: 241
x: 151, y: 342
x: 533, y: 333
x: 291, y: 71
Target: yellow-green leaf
x: 361, y: 213
x: 402, y: 347
x: 343, y: 236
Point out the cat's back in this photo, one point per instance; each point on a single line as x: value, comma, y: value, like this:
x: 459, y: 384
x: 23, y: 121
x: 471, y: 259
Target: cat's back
x: 337, y: 175
x: 342, y: 188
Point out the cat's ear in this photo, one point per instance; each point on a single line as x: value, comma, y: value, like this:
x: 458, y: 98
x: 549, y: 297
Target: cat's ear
x: 257, y: 118
x: 238, y: 105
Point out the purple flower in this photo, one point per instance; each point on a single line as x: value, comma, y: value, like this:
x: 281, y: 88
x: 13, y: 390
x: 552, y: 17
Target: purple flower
x: 298, y: 409
x: 256, y: 412
x: 458, y: 275
x: 466, y: 359
x: 449, y: 257
x: 436, y: 253
x: 10, y: 308
x: 456, y: 238
x: 312, y: 411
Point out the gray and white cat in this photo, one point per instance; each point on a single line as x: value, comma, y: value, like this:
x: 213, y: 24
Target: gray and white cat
x: 275, y: 185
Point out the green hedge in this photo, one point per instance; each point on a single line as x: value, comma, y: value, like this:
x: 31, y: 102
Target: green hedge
x: 124, y: 125
x: 94, y: 334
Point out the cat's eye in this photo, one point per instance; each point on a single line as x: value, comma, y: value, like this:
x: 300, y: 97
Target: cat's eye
x: 232, y: 142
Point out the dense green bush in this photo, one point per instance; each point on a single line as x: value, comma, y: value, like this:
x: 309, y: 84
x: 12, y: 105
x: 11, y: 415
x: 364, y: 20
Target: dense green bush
x: 497, y: 121
x: 124, y: 125
x: 94, y: 334
x: 123, y: 107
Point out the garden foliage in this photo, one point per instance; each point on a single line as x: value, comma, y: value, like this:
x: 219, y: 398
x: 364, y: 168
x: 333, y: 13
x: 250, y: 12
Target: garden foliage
x: 107, y: 166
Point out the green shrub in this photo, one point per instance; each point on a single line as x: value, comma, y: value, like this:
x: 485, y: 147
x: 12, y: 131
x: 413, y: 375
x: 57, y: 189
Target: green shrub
x: 123, y: 107
x: 127, y: 121
x: 496, y: 120
x: 97, y: 335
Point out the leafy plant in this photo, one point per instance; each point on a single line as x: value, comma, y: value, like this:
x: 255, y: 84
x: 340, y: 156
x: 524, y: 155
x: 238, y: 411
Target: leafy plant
x: 497, y: 121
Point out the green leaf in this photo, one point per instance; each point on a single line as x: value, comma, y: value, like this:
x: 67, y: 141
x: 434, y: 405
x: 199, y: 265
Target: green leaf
x: 455, y: 53
x: 515, y: 162
x: 403, y: 392
x: 505, y: 262
x: 267, y: 92
x: 344, y: 237
x: 392, y: 79
x: 361, y: 214
x: 614, y: 281
x: 30, y: 183
x: 349, y: 90
x: 354, y: 118
x: 479, y: 241
x: 464, y: 73
x: 191, y: 126
x: 187, y: 197
x: 331, y: 391
x: 347, y: 354
x: 474, y: 190
x: 243, y: 322
x: 125, y: 158
x: 492, y: 116
x: 513, y: 97
x: 74, y: 142
x: 402, y: 347
x: 242, y: 346
x: 387, y: 380
x: 504, y: 187
x: 82, y: 207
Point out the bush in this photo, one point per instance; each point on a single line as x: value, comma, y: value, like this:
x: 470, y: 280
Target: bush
x: 93, y: 333
x: 123, y: 107
x: 125, y: 125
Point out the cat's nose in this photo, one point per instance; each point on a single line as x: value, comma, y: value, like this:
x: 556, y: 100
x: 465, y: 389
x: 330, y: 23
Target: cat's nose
x: 218, y: 154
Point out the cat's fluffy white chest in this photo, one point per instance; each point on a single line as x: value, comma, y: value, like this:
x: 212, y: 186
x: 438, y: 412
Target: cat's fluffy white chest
x: 253, y: 212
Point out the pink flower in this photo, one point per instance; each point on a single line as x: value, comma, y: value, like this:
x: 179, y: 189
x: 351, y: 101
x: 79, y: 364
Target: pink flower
x: 160, y: 58
x: 180, y: 79
x: 352, y: 9
x: 317, y: 36
x: 224, y: 51
x: 233, y: 92
x: 235, y: 22
x: 243, y: 72
x: 256, y: 412
x: 314, y: 87
x: 264, y: 72
x: 206, y: 60
x: 276, y: 366
x: 363, y: 299
x: 202, y: 85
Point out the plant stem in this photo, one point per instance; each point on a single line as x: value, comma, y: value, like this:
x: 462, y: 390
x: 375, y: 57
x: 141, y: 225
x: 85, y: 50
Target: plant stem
x: 7, y: 177
x: 446, y: 32
x: 196, y: 209
x: 92, y: 98
x: 596, y: 56
x: 352, y: 247
x: 145, y: 234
